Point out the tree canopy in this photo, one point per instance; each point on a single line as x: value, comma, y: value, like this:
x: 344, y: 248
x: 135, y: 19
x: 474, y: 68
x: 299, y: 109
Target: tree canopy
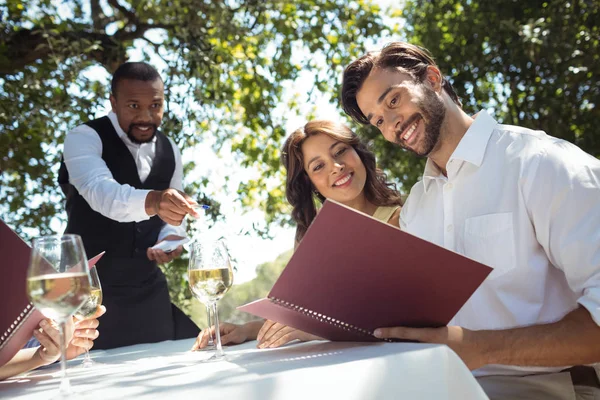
x: 226, y: 64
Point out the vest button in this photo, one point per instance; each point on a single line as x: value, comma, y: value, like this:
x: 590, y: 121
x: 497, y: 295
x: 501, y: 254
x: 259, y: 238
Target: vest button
x: 139, y: 230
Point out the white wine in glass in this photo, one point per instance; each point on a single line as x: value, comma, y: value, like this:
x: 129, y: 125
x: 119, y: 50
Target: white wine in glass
x: 58, y: 296
x: 89, y: 308
x: 58, y: 283
x: 210, y: 277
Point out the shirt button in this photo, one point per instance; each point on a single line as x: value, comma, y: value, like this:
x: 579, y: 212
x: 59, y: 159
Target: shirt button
x: 449, y: 186
x: 449, y: 228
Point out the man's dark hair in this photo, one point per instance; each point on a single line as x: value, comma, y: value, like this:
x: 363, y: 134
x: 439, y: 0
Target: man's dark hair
x: 402, y: 56
x: 140, y: 71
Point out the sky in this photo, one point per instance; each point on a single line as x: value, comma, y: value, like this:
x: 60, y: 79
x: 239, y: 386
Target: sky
x: 249, y: 250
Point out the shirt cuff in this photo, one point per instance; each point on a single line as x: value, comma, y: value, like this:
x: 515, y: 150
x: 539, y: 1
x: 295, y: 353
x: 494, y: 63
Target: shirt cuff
x: 171, y: 230
x: 137, y: 205
x: 591, y: 301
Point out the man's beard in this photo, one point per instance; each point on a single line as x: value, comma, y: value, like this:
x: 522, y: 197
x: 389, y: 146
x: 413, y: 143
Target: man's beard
x: 432, y: 116
x: 135, y: 140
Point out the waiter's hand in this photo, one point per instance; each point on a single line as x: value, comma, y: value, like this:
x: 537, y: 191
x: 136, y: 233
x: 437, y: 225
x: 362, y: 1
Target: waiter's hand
x: 160, y: 256
x: 171, y: 205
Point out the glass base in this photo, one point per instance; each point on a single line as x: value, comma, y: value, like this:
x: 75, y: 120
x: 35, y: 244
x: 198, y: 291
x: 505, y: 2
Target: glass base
x: 210, y: 347
x: 87, y: 364
x: 215, y: 358
x: 77, y: 396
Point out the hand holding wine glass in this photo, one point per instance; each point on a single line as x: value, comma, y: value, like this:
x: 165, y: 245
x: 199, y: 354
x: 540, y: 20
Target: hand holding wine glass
x: 58, y: 283
x: 90, y: 308
x: 210, y: 277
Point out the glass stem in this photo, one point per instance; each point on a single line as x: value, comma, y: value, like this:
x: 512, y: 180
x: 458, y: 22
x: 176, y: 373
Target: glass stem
x: 219, y: 350
x: 65, y: 385
x: 87, y: 360
x: 210, y: 323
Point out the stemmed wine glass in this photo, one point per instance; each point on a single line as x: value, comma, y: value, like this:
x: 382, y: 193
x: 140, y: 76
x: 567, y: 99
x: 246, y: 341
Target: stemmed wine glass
x: 197, y: 225
x: 89, y: 308
x: 210, y: 277
x: 58, y: 283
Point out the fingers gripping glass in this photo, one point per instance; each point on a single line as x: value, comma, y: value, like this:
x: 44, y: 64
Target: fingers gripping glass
x: 89, y: 308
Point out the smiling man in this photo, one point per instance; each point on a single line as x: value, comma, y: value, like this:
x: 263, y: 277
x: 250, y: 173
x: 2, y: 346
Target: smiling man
x: 525, y: 203
x: 123, y: 181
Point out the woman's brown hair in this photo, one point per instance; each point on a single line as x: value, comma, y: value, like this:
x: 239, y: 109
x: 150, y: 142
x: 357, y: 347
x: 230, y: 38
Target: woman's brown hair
x: 300, y: 191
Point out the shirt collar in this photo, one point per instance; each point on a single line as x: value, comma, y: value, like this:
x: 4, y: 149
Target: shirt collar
x: 115, y: 121
x: 471, y: 147
x: 431, y: 173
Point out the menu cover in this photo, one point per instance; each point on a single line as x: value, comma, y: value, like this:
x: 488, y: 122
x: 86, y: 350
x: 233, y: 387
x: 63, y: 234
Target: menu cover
x: 353, y: 273
x: 18, y: 317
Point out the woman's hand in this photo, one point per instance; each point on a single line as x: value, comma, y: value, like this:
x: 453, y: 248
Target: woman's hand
x: 273, y: 334
x: 230, y: 334
x: 48, y: 335
x: 80, y: 336
x: 86, y: 331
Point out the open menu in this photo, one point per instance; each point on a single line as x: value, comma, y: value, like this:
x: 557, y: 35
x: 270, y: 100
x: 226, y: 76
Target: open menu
x: 353, y: 273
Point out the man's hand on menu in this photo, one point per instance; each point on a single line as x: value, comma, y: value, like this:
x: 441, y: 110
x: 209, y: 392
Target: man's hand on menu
x: 273, y: 334
x: 467, y: 344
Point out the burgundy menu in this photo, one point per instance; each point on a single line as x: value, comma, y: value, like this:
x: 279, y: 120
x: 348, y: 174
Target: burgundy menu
x: 352, y: 274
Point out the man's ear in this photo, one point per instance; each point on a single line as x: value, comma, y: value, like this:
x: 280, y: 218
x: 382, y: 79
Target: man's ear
x: 434, y: 77
x: 113, y: 103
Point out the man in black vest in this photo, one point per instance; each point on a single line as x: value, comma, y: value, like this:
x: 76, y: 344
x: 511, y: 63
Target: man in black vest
x: 123, y: 181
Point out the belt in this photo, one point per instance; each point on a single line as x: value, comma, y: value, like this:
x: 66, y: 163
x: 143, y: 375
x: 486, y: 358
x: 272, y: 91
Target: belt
x: 583, y: 375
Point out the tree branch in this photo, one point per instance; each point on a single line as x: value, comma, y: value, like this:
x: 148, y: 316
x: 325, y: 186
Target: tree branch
x: 27, y: 46
x: 131, y: 16
x: 98, y: 17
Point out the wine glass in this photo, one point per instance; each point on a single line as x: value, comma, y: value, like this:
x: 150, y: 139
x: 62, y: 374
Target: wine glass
x: 89, y: 308
x: 58, y: 283
x: 210, y: 277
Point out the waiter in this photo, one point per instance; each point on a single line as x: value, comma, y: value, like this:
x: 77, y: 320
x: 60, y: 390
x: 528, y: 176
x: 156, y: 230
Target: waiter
x: 122, y: 178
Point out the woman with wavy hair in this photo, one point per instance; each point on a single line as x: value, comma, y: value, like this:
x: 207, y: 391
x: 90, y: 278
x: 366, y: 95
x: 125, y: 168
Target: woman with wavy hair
x: 324, y: 160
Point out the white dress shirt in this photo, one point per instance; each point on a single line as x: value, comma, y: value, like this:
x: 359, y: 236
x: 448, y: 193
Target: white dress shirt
x: 526, y: 204
x: 89, y: 174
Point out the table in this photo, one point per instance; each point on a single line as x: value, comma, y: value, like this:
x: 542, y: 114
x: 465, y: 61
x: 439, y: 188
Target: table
x: 303, y: 371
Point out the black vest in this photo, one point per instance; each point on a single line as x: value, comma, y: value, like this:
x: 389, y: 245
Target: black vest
x: 99, y: 233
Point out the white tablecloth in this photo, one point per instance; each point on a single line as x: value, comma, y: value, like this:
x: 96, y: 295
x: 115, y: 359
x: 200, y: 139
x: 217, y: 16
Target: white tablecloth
x: 303, y: 371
